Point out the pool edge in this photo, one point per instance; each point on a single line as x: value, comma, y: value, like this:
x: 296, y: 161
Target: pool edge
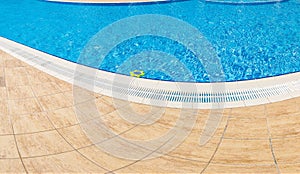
x: 160, y: 93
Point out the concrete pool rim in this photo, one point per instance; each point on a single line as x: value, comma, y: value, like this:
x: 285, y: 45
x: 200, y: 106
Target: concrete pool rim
x: 154, y: 92
x: 107, y: 2
x: 110, y: 2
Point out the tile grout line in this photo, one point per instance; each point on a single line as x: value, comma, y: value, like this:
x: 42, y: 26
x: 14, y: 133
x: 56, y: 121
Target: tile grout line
x: 121, y: 133
x: 136, y: 161
x: 73, y: 148
x: 47, y: 155
x: 21, y: 158
x: 112, y: 171
x: 156, y: 151
x: 55, y: 129
x: 77, y: 150
x: 63, y: 127
x: 270, y: 142
x: 217, y: 148
x: 12, y: 127
x: 95, y: 144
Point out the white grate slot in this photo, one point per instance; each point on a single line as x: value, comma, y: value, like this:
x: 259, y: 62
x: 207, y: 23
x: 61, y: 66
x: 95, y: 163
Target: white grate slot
x: 66, y: 70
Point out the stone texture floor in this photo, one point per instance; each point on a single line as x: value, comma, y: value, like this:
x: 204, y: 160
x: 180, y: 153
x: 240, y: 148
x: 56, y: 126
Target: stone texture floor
x: 41, y: 120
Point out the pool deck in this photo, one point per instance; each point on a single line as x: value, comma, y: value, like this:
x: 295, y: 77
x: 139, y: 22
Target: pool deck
x: 40, y: 131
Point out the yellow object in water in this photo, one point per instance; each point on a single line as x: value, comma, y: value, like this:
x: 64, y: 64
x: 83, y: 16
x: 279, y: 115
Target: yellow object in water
x: 137, y: 73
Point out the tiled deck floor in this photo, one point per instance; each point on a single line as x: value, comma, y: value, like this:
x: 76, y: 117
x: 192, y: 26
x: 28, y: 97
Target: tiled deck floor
x: 39, y: 132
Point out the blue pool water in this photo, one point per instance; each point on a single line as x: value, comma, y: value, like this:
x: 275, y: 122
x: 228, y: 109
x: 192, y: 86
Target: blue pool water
x: 251, y: 41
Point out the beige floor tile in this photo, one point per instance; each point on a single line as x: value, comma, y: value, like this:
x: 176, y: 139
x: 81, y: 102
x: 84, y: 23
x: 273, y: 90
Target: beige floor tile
x: 288, y: 107
x: 86, y: 111
x: 3, y: 93
x: 93, y: 109
x: 286, y: 150
x: 143, y: 114
x: 284, y: 125
x: 75, y: 136
x: 11, y: 63
x: 30, y: 123
x: 19, y: 92
x: 96, y: 132
x: 115, y: 103
x: 2, y: 72
x: 200, y: 152
x: 24, y: 106
x: 219, y: 168
x: 64, y: 86
x: 141, y: 109
x: 31, y: 71
x: 2, y: 63
x: 5, y: 125
x: 243, y: 152
x: 11, y: 166
x: 5, y: 56
x: 8, y: 148
x: 63, y: 117
x: 211, y: 112
x: 170, y: 116
x: 2, y: 81
x: 164, y: 164
x: 15, y: 71
x: 291, y: 100
x: 97, y: 95
x: 53, y: 102
x: 247, y: 128
x: 70, y: 162
x: 3, y: 107
x: 116, y: 121
x: 45, y: 89
x: 134, y: 127
x: 105, y: 105
x: 297, y: 100
x: 102, y: 158
x: 48, y: 76
x: 289, y: 168
x: 79, y: 96
x: 38, y: 78
x: 249, y: 112
x: 44, y: 143
x: 20, y: 80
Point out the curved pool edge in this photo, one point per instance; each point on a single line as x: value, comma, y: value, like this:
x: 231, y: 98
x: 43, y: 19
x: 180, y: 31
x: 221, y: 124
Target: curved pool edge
x: 107, y: 1
x: 160, y: 93
x: 245, y: 3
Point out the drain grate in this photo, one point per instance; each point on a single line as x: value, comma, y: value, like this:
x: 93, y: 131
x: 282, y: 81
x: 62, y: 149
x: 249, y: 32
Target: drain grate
x: 202, y: 96
x: 281, y: 88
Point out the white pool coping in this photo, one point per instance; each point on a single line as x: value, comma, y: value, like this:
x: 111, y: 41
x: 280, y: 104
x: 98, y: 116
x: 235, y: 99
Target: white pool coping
x: 108, y: 1
x: 245, y: 2
x: 160, y: 93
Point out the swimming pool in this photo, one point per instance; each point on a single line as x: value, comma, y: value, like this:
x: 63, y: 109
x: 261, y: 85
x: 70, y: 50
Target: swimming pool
x: 252, y: 41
